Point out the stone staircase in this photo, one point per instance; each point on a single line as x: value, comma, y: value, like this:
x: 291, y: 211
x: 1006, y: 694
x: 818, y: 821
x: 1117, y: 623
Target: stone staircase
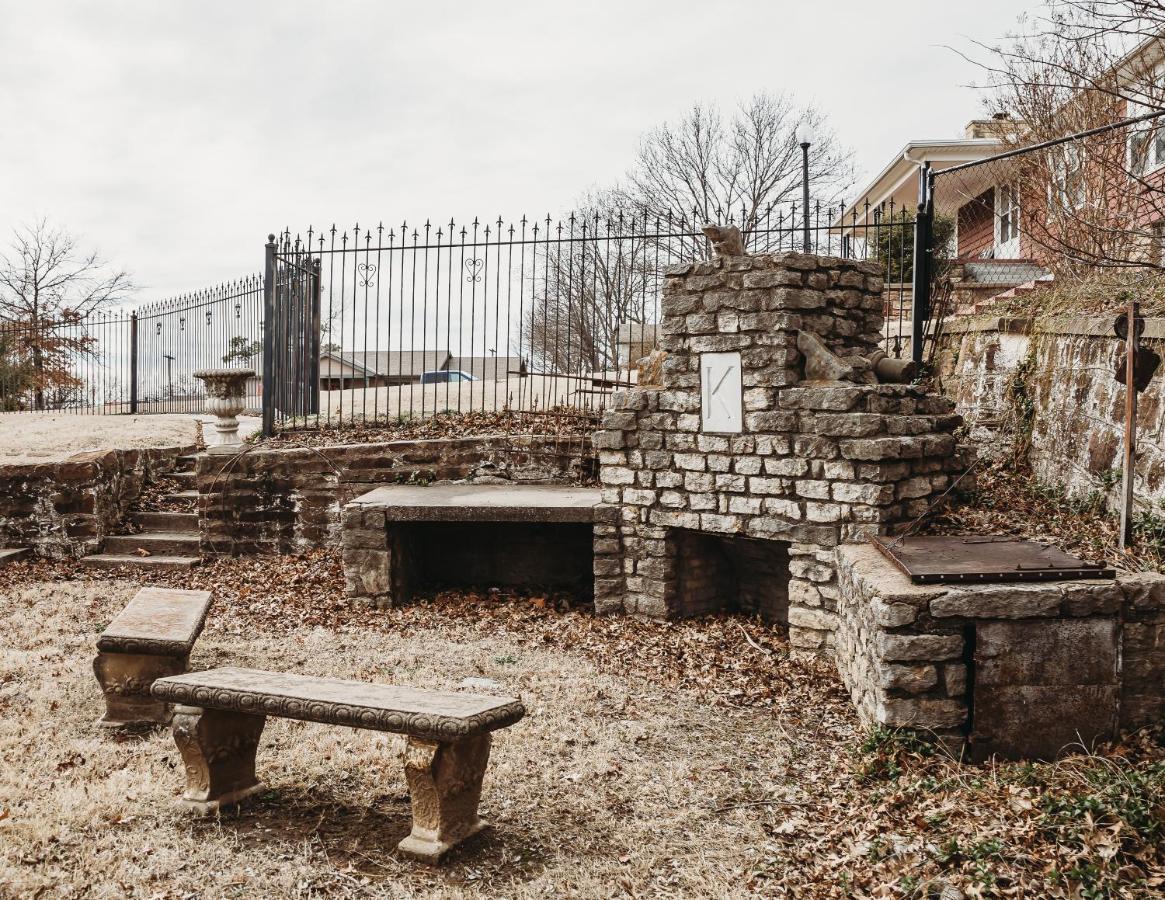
x: 12, y: 554
x: 986, y: 304
x: 169, y: 533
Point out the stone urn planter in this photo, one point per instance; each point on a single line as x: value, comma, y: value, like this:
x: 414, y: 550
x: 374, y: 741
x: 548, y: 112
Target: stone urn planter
x: 224, y: 400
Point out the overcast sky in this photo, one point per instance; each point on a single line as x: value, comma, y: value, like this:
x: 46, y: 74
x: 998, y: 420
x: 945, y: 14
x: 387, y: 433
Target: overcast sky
x: 175, y: 135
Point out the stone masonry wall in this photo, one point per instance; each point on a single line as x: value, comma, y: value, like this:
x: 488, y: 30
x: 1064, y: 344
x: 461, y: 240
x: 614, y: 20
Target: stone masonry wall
x: 65, y: 509
x: 1064, y: 367
x: 815, y: 465
x: 287, y: 500
x: 1057, y: 662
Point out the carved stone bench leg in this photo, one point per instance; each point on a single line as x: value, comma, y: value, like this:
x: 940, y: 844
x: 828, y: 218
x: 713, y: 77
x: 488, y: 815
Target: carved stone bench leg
x: 445, y: 786
x: 125, y: 680
x: 218, y: 748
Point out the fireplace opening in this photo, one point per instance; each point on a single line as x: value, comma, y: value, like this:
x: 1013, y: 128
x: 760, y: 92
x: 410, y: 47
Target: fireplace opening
x: 727, y: 573
x: 553, y: 556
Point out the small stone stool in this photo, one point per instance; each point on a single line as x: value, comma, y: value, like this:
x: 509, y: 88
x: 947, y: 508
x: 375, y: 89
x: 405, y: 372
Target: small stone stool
x: 151, y: 638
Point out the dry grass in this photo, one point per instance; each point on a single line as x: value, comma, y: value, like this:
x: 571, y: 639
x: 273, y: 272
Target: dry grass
x: 656, y: 760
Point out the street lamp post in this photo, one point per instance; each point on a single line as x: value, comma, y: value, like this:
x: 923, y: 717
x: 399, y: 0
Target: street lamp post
x: 805, y: 138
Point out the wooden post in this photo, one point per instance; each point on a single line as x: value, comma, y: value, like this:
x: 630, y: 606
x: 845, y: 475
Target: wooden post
x: 1130, y: 442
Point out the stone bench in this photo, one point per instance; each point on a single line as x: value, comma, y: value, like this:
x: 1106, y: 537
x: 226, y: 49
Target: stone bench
x: 398, y: 537
x: 220, y: 715
x: 149, y: 639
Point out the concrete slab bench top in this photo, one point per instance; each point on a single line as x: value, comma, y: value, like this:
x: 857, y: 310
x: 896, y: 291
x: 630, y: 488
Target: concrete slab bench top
x: 433, y: 715
x: 483, y: 502
x: 149, y: 639
x: 157, y: 620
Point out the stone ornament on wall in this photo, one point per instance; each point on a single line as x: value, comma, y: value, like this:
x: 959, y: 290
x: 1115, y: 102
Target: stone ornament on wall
x: 721, y: 409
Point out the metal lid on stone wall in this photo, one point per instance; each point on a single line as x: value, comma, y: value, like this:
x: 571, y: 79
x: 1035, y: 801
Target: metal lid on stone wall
x: 947, y: 559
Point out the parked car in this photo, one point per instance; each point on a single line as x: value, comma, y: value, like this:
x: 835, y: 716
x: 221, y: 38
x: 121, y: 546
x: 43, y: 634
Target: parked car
x: 444, y: 376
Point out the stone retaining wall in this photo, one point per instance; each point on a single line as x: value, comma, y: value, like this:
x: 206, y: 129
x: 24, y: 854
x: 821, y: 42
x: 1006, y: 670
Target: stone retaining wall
x: 65, y: 509
x: 269, y: 500
x: 1060, y: 371
x: 1021, y: 669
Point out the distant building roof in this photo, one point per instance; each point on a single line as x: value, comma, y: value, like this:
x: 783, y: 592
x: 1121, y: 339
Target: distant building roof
x: 402, y: 363
x: 487, y: 368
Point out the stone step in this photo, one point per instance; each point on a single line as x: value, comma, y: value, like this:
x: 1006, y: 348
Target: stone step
x: 182, y: 496
x: 189, y: 461
x: 12, y: 554
x: 182, y: 477
x: 159, y: 543
x: 114, y: 561
x: 185, y: 522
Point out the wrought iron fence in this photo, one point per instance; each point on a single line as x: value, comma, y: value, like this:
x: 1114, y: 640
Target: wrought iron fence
x: 139, y: 361
x: 387, y: 323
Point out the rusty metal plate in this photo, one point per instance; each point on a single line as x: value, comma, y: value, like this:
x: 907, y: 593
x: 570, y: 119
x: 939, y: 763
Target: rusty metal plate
x: 945, y: 559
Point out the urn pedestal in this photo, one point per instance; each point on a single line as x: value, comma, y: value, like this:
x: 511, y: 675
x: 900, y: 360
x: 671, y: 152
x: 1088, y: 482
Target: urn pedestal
x: 225, y: 390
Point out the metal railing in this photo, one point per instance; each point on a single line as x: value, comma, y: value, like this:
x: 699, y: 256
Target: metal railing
x: 387, y: 323
x: 139, y: 361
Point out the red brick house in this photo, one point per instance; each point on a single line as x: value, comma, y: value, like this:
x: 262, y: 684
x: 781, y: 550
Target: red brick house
x: 1091, y: 201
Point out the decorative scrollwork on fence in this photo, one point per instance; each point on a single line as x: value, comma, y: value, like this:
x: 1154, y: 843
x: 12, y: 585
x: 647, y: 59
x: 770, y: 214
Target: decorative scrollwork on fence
x: 367, y: 272
x: 474, y: 268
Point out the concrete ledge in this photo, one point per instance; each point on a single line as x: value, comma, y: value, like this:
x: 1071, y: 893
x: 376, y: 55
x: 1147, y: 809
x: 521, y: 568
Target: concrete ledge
x: 481, y: 503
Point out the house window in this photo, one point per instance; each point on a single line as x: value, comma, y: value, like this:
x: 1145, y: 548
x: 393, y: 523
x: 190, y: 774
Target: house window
x: 1146, y: 140
x: 1006, y: 222
x: 1067, y: 186
x: 1008, y: 214
x: 1157, y: 248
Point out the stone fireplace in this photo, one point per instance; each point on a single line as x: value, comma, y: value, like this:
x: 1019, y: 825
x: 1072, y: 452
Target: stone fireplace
x: 730, y: 485
x: 714, y: 572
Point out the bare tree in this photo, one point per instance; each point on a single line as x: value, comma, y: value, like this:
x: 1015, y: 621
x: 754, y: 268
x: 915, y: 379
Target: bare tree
x: 710, y: 168
x: 605, y: 269
x: 602, y: 272
x: 1093, y: 201
x: 48, y: 282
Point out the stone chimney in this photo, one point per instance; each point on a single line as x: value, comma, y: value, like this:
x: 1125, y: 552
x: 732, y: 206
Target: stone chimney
x: 1001, y: 125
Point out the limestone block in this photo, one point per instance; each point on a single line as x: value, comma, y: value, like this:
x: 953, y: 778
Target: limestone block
x: 721, y: 524
x: 789, y: 509
x: 849, y: 425
x: 999, y: 601
x: 955, y: 679
x: 840, y: 399
x: 816, y: 619
x: 922, y: 713
x: 818, y: 490
x: 919, y: 647
x: 912, y: 679
x: 824, y: 512
x: 1145, y: 590
x: 616, y: 475
x: 892, y: 615
x: 1089, y: 598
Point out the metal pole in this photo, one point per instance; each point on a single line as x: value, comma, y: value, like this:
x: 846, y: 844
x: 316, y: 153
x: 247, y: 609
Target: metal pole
x: 313, y: 348
x: 806, y: 243
x: 920, y: 301
x: 269, y: 339
x: 133, y: 362
x: 1130, y: 442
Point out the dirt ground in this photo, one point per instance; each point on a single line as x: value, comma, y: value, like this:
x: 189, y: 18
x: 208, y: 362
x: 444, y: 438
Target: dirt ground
x: 47, y: 437
x: 693, y: 759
